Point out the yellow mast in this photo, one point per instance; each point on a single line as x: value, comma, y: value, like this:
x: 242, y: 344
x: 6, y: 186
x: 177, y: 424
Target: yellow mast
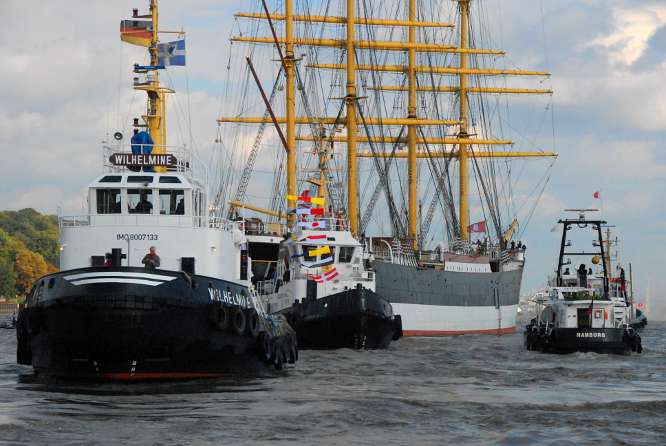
x: 412, y: 179
x: 462, y: 153
x: 155, y: 117
x: 350, y: 100
x: 291, y: 106
x: 156, y: 122
x: 322, y: 158
x: 463, y: 140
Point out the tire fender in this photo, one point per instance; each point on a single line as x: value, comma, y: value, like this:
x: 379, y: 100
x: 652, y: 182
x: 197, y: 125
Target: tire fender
x: 238, y: 322
x: 220, y: 315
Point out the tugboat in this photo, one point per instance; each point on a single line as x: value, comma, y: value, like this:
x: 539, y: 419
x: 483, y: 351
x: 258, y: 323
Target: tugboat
x: 323, y: 283
x: 327, y: 294
x: 580, y: 313
x: 149, y: 287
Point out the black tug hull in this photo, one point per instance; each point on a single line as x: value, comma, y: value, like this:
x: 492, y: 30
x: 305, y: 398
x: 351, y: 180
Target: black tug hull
x: 569, y: 340
x: 357, y: 319
x: 137, y: 324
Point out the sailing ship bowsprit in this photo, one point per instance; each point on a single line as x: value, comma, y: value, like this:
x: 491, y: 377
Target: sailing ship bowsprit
x: 398, y: 97
x: 194, y: 313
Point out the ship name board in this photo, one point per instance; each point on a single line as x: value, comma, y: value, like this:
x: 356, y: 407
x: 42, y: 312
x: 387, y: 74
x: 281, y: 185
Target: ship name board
x: 229, y: 298
x: 590, y: 335
x: 138, y: 159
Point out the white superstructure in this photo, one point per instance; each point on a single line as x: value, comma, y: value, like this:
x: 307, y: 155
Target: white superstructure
x: 175, y: 221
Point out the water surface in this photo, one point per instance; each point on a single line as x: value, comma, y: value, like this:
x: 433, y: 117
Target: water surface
x: 471, y: 390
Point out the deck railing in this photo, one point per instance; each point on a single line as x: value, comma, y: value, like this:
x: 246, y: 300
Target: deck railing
x: 154, y: 220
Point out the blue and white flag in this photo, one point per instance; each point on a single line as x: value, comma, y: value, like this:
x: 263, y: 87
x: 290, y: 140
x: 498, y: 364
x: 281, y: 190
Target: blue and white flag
x: 172, y: 53
x: 322, y: 262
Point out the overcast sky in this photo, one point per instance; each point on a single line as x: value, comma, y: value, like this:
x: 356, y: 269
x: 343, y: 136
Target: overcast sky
x: 66, y: 84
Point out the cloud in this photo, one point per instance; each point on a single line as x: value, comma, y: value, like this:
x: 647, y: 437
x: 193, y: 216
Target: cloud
x: 633, y: 29
x: 67, y: 85
x: 624, y: 161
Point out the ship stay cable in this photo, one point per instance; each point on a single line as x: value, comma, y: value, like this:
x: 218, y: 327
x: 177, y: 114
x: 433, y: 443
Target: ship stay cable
x: 398, y: 227
x: 382, y: 172
x: 249, y: 165
x: 442, y: 181
x: 443, y: 191
x: 312, y: 83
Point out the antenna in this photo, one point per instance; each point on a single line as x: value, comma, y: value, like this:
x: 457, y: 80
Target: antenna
x: 581, y: 212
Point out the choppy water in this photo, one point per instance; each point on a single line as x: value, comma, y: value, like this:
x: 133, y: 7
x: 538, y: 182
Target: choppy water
x: 471, y: 390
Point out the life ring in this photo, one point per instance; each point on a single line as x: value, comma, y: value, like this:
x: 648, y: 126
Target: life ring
x: 238, y: 321
x: 253, y: 322
x: 33, y: 322
x: 220, y: 315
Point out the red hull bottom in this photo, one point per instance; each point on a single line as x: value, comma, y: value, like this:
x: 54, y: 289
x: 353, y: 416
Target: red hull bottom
x: 409, y: 333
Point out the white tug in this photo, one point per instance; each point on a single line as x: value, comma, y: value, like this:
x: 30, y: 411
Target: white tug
x: 582, y: 310
x: 329, y: 298
x: 323, y: 282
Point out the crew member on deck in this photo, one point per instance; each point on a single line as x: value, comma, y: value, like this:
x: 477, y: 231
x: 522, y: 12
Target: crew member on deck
x: 151, y: 260
x: 582, y: 276
x: 144, y: 206
x: 623, y: 283
x: 567, y: 272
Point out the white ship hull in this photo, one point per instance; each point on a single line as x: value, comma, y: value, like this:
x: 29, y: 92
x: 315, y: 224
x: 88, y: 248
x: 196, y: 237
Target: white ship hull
x: 435, y: 320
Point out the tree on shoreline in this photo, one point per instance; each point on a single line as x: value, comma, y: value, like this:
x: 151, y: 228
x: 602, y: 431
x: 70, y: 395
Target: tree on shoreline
x: 28, y: 249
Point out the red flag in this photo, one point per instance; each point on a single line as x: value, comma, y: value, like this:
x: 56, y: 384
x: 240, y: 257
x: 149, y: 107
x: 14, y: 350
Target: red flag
x: 477, y: 227
x: 331, y: 274
x: 596, y: 194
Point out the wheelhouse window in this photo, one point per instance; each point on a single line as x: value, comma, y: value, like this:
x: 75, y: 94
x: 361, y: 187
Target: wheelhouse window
x: 140, y: 201
x: 170, y: 180
x: 108, y: 201
x: 140, y: 179
x: 111, y: 179
x: 346, y: 254
x: 331, y: 254
x: 306, y: 249
x: 172, y: 202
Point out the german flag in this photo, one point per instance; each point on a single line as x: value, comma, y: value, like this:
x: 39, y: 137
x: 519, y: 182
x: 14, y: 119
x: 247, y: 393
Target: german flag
x: 136, y: 32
